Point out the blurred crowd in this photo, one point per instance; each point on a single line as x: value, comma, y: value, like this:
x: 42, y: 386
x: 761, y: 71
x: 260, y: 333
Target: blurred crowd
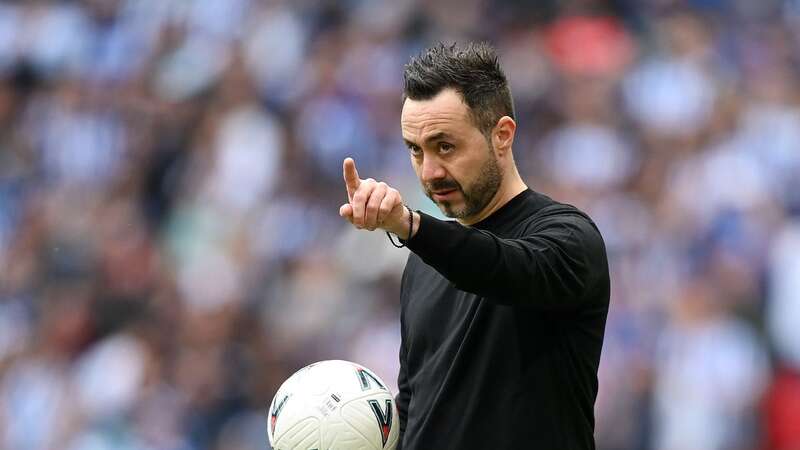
x: 170, y: 178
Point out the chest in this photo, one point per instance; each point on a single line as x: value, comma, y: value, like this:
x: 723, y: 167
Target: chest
x: 435, y: 313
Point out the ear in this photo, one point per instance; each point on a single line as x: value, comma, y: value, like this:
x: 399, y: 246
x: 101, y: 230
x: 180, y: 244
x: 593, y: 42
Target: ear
x: 503, y: 135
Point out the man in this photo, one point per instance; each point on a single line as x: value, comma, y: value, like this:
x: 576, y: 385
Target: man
x: 503, y: 309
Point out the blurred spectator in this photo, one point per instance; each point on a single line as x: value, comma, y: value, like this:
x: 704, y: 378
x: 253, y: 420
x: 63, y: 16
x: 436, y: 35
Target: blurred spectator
x: 711, y: 372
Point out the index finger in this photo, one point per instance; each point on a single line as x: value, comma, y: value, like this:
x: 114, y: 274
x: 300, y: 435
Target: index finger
x: 351, y: 179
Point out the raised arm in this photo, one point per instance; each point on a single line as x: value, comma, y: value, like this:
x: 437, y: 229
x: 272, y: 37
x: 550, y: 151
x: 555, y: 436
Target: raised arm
x: 552, y: 266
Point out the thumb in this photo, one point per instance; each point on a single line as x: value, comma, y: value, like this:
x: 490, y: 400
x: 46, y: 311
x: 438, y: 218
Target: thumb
x: 351, y: 179
x: 346, y: 211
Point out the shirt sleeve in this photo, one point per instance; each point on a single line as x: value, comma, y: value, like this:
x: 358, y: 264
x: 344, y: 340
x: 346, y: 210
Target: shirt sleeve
x: 552, y: 266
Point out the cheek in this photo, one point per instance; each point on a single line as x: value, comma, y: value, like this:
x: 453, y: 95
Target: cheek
x: 416, y: 166
x: 466, y: 168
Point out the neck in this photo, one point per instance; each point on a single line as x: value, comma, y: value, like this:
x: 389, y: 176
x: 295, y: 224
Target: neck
x: 511, y: 186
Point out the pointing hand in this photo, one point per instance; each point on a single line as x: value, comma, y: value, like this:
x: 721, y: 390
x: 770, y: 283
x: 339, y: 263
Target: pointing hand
x: 372, y: 204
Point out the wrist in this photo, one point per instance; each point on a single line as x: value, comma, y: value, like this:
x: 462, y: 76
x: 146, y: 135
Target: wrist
x: 414, y: 224
x: 404, y: 233
x: 410, y: 223
x: 402, y: 228
x: 406, y: 227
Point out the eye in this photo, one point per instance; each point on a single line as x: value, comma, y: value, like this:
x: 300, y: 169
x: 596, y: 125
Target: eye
x: 446, y: 147
x: 414, y: 150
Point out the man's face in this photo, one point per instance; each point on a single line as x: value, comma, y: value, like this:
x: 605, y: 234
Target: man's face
x: 453, y: 160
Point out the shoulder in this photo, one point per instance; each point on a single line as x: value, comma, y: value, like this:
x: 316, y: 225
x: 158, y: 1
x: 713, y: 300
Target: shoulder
x: 563, y: 226
x: 566, y: 223
x: 551, y: 213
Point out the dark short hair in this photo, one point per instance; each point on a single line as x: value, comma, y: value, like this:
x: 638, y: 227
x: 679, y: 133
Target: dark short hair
x: 473, y: 70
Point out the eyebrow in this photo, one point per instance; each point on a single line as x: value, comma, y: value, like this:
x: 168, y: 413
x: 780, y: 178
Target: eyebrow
x: 440, y: 136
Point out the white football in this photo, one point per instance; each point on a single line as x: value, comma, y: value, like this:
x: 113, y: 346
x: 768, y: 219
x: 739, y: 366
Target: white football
x: 333, y: 405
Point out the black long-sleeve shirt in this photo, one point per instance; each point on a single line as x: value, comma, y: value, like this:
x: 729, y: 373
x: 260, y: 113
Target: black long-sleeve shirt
x: 502, y: 325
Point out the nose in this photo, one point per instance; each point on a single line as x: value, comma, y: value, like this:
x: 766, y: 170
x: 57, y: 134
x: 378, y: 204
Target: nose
x: 432, y: 170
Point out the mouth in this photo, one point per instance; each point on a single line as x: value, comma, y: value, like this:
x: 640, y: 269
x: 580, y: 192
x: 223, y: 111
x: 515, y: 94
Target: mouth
x: 444, y: 195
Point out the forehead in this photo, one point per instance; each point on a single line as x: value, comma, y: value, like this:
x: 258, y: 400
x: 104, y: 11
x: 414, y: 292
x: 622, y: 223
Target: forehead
x: 444, y: 112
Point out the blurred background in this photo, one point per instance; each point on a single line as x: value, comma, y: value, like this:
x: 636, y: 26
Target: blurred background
x: 170, y: 178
